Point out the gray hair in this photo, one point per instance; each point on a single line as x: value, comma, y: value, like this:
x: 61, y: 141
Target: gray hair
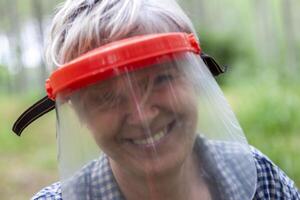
x: 82, y: 25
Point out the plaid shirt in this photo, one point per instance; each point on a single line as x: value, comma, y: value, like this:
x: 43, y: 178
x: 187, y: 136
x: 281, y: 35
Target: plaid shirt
x: 271, y: 184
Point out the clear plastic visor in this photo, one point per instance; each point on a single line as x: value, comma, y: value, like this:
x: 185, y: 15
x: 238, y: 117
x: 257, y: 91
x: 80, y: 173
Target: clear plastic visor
x: 164, y: 131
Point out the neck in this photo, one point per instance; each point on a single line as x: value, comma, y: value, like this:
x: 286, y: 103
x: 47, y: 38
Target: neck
x: 186, y: 182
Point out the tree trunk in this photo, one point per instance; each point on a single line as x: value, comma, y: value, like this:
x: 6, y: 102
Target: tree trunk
x: 19, y: 81
x: 290, y: 38
x: 37, y: 10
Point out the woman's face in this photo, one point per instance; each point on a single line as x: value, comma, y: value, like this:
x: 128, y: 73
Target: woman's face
x: 145, y: 121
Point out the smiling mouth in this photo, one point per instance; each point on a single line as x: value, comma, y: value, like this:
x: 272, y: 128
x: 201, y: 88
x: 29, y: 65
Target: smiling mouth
x: 155, y: 138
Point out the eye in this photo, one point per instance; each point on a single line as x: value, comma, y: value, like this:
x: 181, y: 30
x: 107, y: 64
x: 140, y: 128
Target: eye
x: 102, y: 101
x: 162, y: 79
x: 110, y: 100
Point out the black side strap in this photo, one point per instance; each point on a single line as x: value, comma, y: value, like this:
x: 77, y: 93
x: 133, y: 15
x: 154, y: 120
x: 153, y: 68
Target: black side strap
x: 212, y: 65
x: 45, y: 105
x: 37, y: 110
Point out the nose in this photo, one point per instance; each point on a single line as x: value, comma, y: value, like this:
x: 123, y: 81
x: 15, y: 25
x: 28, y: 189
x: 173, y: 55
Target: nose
x: 141, y: 113
x: 141, y: 108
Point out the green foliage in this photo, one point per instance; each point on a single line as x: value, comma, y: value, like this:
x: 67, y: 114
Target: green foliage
x: 27, y: 159
x: 269, y: 114
x: 231, y: 51
x: 274, y: 111
x: 224, y: 47
x: 3, y: 73
x: 4, y: 77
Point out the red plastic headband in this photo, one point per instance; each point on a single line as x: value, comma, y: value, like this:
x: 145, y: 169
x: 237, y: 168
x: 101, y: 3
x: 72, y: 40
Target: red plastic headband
x: 114, y: 58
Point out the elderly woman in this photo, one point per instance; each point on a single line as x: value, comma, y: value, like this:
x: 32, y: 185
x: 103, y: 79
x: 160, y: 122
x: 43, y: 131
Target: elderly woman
x: 139, y: 113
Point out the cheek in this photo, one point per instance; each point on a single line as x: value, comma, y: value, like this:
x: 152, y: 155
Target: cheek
x: 179, y: 98
x: 189, y: 107
x: 184, y: 104
x: 104, y: 127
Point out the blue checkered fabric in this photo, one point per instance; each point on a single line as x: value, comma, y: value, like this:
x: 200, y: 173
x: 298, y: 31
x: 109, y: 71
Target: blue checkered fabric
x: 96, y: 181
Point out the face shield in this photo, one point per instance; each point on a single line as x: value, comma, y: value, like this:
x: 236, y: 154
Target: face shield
x: 147, y: 108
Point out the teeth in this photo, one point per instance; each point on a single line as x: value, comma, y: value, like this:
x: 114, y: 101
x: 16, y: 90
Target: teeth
x: 150, y: 140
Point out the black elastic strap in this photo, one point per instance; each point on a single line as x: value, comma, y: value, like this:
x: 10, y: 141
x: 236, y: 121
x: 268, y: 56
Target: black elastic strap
x: 37, y: 110
x: 45, y: 105
x: 212, y: 65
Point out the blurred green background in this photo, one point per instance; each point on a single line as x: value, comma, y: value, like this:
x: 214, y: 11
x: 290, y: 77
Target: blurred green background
x: 257, y: 39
